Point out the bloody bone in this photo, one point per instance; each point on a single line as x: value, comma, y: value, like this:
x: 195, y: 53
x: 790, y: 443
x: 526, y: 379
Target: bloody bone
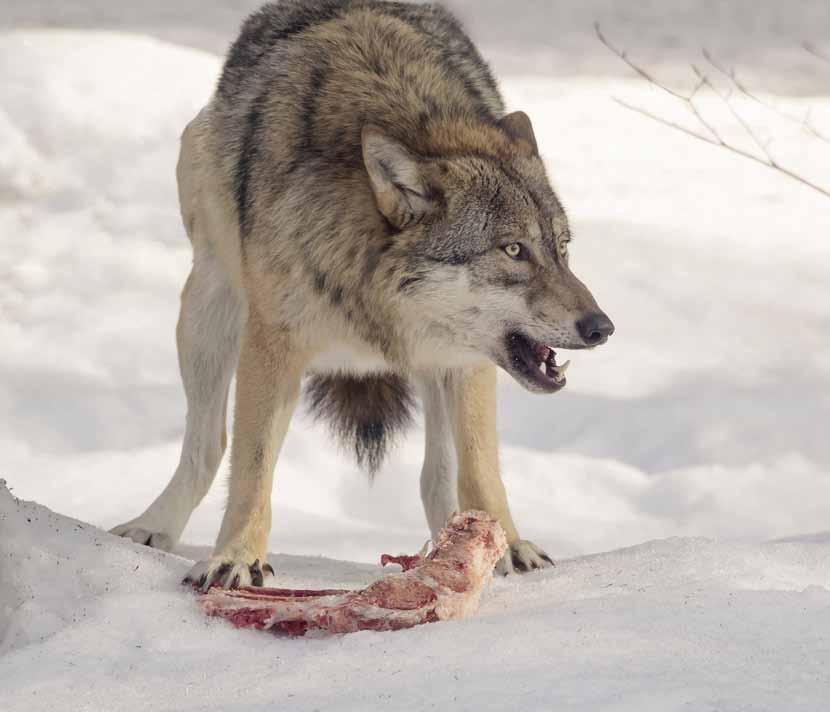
x: 406, y: 561
x: 446, y: 583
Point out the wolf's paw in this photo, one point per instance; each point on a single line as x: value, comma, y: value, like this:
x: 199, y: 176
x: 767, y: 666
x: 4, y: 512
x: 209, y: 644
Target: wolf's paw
x: 521, y: 557
x: 142, y: 535
x: 219, y: 571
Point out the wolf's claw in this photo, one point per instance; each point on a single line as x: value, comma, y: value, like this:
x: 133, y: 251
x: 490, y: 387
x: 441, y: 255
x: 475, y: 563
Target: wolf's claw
x: 148, y: 537
x: 521, y: 557
x: 226, y: 574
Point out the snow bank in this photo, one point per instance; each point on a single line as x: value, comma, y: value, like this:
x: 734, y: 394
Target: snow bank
x: 89, y: 621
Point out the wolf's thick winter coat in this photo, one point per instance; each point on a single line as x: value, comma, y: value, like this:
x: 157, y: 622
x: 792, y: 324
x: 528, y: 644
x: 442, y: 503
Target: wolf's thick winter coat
x: 363, y: 213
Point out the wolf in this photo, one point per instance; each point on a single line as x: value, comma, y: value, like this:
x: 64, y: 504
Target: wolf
x: 367, y: 223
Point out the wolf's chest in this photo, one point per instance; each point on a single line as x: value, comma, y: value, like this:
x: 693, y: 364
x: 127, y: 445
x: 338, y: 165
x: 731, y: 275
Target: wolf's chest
x: 349, y: 358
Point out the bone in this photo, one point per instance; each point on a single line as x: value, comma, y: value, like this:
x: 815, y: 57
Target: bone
x: 444, y: 584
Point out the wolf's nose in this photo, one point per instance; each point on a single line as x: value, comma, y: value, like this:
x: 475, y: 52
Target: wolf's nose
x: 595, y: 328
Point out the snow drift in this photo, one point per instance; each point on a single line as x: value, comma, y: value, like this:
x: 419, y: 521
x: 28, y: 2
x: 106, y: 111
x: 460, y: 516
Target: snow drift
x: 667, y: 625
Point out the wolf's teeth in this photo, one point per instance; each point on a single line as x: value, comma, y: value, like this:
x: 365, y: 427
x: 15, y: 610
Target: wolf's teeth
x: 559, y: 372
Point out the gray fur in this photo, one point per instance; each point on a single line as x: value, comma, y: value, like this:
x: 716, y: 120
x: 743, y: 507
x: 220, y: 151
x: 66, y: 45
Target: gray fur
x: 361, y: 204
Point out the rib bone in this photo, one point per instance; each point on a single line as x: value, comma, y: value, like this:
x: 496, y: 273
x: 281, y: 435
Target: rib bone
x: 444, y: 584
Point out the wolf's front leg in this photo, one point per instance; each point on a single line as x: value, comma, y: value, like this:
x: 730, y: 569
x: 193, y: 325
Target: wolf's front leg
x: 268, y: 385
x: 479, y: 481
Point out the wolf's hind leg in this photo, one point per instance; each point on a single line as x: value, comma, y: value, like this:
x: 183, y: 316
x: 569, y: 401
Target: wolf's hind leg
x: 208, y: 336
x: 439, y: 488
x: 267, y: 389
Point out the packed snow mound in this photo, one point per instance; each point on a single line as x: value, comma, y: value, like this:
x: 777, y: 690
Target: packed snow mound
x: 668, y: 625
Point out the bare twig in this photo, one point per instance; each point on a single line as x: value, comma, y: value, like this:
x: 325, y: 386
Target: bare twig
x: 712, y: 136
x: 723, y: 144
x: 812, y: 49
x: 651, y: 79
x: 763, y: 147
x: 804, y: 122
x: 642, y: 72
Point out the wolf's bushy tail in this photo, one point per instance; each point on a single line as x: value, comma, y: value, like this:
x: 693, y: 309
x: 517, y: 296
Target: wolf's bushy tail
x: 364, y: 412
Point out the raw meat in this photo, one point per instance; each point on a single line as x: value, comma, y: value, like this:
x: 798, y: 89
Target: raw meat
x: 446, y: 583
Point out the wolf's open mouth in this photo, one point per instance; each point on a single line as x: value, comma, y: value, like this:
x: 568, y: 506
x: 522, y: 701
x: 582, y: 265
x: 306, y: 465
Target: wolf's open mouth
x: 535, y: 363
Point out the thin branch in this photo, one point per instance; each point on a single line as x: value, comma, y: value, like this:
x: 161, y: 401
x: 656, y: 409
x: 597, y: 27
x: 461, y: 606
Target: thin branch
x: 763, y: 147
x: 651, y: 79
x: 723, y: 144
x: 691, y: 103
x: 671, y: 124
x: 803, y: 122
x: 812, y: 49
x: 642, y: 72
x: 714, y: 138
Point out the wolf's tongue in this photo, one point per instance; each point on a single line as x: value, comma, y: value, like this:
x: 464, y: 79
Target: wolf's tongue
x: 542, y: 352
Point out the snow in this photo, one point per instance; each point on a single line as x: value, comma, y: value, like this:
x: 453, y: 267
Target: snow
x: 705, y: 416
x: 678, y: 624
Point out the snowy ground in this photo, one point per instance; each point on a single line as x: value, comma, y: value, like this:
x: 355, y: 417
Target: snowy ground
x: 705, y: 416
x: 680, y: 624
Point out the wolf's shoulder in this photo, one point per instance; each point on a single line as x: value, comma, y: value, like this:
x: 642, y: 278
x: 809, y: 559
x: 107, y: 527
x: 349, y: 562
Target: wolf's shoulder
x: 287, y: 21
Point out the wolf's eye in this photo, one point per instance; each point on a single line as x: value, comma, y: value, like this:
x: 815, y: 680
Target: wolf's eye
x: 563, y: 248
x: 516, y: 250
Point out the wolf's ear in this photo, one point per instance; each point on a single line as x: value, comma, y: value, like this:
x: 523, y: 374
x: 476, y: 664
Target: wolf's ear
x: 518, y: 127
x: 402, y: 195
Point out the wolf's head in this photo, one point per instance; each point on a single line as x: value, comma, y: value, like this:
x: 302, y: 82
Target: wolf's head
x: 481, y: 247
